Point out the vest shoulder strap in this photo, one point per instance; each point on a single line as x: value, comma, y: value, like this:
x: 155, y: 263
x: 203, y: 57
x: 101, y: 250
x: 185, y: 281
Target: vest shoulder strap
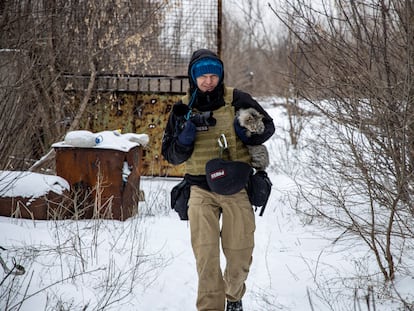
x: 228, y: 95
x: 185, y: 99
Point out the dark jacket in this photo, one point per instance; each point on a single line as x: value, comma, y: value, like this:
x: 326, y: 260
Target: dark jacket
x: 176, y: 153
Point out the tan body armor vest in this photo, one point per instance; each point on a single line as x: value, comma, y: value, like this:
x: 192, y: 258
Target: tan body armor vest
x: 206, y: 145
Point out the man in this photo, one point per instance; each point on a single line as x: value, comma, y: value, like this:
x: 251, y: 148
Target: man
x: 209, y: 123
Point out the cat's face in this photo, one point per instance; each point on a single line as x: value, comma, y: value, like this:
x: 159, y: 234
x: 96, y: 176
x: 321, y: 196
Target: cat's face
x: 251, y: 120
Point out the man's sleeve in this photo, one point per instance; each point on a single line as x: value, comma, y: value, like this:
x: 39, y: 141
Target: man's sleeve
x: 244, y: 100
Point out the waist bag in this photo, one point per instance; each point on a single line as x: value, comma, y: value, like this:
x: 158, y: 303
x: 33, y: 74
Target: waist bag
x: 227, y: 177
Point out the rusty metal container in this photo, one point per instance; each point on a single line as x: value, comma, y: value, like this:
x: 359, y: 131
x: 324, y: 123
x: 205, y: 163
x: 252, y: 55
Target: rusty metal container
x: 49, y: 206
x: 97, y: 183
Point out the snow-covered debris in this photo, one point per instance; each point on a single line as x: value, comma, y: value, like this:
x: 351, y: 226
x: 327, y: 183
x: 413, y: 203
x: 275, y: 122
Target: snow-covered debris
x: 103, y: 140
x: 30, y: 185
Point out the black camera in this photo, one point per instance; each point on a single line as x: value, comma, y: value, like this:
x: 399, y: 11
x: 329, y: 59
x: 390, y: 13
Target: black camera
x: 200, y: 119
x: 203, y: 118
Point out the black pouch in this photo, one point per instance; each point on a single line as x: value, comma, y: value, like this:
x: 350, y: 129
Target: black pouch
x: 180, y: 195
x: 258, y: 189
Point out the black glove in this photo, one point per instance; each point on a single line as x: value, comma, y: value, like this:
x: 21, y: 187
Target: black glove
x: 188, y: 134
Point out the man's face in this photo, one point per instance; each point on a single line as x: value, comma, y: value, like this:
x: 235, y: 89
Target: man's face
x: 207, y: 82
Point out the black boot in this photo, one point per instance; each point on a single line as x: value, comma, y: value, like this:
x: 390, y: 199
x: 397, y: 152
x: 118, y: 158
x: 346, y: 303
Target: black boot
x: 234, y: 306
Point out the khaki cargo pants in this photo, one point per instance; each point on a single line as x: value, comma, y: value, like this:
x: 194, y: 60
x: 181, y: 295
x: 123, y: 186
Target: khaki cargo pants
x: 237, y: 241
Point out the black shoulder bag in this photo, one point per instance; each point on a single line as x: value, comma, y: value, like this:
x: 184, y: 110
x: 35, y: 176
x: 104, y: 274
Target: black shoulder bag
x: 258, y: 189
x: 180, y: 195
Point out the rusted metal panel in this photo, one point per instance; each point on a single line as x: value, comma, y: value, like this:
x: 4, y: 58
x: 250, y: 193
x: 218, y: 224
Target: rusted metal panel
x: 96, y: 174
x: 137, y: 113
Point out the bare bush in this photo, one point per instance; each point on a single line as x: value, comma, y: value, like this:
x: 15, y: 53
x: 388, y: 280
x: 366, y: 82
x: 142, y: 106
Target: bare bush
x: 254, y: 50
x: 80, y: 264
x: 44, y: 40
x: 356, y: 71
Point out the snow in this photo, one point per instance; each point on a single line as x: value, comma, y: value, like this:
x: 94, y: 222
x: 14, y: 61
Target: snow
x: 146, y: 262
x: 114, y: 140
x: 30, y: 185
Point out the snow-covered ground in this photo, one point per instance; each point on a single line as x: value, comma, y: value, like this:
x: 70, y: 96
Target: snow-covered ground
x: 146, y: 262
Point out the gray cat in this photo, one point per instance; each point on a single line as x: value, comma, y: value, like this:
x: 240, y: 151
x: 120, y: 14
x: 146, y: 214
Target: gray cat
x: 252, y: 120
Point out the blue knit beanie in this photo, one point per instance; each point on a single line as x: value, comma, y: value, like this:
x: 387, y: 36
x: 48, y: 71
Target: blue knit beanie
x: 207, y: 66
